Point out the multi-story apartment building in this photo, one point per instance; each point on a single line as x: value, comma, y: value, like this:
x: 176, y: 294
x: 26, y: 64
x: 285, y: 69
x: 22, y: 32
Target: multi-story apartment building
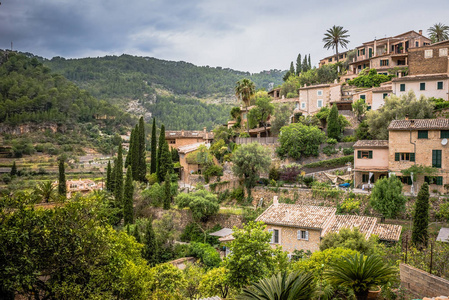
x: 333, y: 58
x: 176, y: 139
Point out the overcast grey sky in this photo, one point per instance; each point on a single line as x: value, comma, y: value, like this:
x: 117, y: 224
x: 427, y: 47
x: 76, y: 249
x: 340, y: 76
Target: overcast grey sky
x: 246, y: 35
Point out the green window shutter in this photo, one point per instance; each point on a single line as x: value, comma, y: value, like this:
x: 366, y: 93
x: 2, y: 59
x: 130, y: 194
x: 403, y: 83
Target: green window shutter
x: 436, y: 158
x: 444, y: 134
x: 370, y: 154
x: 359, y: 154
x: 423, y: 134
x: 422, y: 86
x: 402, y: 87
x: 397, y: 156
x: 440, y: 85
x: 362, y: 97
x: 412, y: 156
x: 440, y: 180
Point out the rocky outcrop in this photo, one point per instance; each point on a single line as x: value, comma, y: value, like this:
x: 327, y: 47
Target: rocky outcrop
x: 32, y: 127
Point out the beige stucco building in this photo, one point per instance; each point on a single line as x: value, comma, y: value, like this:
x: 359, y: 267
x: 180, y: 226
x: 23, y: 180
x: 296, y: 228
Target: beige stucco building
x: 370, y: 157
x: 176, y: 139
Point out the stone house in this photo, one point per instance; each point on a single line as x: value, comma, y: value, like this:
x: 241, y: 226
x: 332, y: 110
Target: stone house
x: 301, y: 227
x: 374, y: 97
x: 312, y: 98
x: 370, y: 158
x: 176, y: 139
x: 186, y: 167
x: 82, y: 186
x: 420, y: 142
x: 333, y: 58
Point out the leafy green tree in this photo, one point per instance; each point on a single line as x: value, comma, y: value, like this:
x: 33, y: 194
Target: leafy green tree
x: 167, y: 191
x: 334, y: 37
x: 298, y: 140
x: 369, y: 80
x: 167, y: 282
x: 13, y: 171
x: 192, y: 274
x: 153, y: 148
x: 45, y: 191
x: 360, y: 273
x: 150, y: 246
x: 333, y: 126
x: 206, y: 253
x: 420, y: 233
x: 109, y: 177
x: 282, y: 115
x: 283, y: 286
x: 202, y: 203
x: 387, y: 197
x: 244, y: 91
x: 214, y: 283
x: 351, y: 239
x: 438, y: 32
x: 252, y: 257
x: 118, y: 178
x: 154, y: 195
x: 62, y: 187
x: 128, y: 212
x: 261, y: 113
x: 396, y: 108
x: 249, y: 161
x: 136, y: 233
x: 359, y: 108
x: 298, y: 64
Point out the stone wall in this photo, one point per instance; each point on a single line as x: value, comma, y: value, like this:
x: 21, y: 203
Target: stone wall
x: 437, y: 64
x: 422, y: 283
x: 288, y: 239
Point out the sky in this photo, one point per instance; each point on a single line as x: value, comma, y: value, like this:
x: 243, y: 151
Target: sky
x: 245, y: 35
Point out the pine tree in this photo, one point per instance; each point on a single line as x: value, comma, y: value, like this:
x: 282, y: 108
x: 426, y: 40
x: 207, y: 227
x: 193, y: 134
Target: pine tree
x: 141, y: 164
x: 165, y: 162
x: 292, y: 69
x: 421, y: 218
x: 159, y: 151
x: 333, y: 125
x: 298, y: 64
x: 136, y: 233
x: 118, y: 189
x: 150, y: 247
x: 153, y: 148
x: 108, y: 177
x: 167, y: 191
x: 13, y: 169
x: 128, y: 198
x: 310, y: 65
x: 62, y: 187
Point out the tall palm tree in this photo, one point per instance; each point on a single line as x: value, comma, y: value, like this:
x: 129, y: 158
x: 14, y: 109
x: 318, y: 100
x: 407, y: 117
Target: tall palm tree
x: 245, y: 90
x: 360, y: 273
x: 438, y: 32
x: 283, y: 286
x: 334, y: 37
x: 45, y: 190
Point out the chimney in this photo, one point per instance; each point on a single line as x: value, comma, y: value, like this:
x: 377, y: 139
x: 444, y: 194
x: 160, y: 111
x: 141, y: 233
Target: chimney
x: 182, y: 132
x: 420, y: 32
x: 204, y: 129
x: 406, y: 117
x: 275, y: 201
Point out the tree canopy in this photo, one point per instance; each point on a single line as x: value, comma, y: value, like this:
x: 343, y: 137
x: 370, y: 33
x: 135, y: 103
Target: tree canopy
x: 202, y: 203
x: 438, y: 32
x: 298, y: 140
x: 387, y: 197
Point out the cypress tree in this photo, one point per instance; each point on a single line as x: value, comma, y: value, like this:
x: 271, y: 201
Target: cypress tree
x: 292, y: 69
x: 113, y: 175
x: 128, y: 198
x: 13, y: 169
x: 136, y: 233
x: 159, y: 151
x: 62, y: 187
x: 150, y: 247
x: 141, y: 164
x: 298, y: 64
x: 128, y: 231
x: 165, y: 162
x: 167, y: 191
x: 108, y: 177
x: 135, y: 153
x: 130, y: 152
x: 421, y: 218
x: 333, y: 125
x: 153, y: 148
x: 118, y: 189
x: 310, y: 65
x: 305, y: 64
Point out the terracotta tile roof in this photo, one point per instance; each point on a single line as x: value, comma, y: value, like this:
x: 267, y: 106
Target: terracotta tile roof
x: 371, y: 144
x: 418, y: 124
x: 382, y: 89
x: 421, y: 77
x: 364, y: 224
x: 188, y: 134
x: 304, y: 216
x: 189, y: 148
x: 388, y: 232
x: 315, y: 86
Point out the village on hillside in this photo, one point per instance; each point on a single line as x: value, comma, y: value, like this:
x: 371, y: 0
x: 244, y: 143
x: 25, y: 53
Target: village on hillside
x: 330, y: 190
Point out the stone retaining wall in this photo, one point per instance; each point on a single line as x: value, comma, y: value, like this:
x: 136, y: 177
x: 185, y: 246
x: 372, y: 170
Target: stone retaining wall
x: 422, y: 283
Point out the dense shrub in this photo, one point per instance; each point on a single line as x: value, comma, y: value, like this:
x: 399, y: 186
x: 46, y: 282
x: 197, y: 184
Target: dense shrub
x: 290, y: 173
x: 238, y: 194
x: 329, y: 150
x: 335, y: 162
x: 206, y: 253
x: 274, y: 174
x: 348, y: 151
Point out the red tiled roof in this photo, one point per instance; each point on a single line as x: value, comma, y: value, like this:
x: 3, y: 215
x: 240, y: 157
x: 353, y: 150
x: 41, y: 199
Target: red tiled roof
x: 188, y: 134
x: 371, y: 144
x: 420, y: 77
x: 419, y: 124
x: 388, y: 232
x: 364, y: 224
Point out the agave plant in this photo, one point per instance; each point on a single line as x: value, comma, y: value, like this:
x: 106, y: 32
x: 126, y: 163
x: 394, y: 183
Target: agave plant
x: 360, y: 273
x: 283, y: 286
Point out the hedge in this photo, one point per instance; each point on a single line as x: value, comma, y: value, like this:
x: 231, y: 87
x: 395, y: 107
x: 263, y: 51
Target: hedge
x: 335, y: 162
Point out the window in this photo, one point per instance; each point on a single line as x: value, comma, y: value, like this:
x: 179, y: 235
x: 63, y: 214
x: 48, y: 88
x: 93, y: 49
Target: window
x: 296, y: 105
x: 383, y: 62
x: 443, y: 52
x: 303, y: 235
x: 438, y: 180
x: 423, y: 134
x: 274, y: 236
x: 362, y: 51
x: 385, y: 95
x: 439, y: 85
x: 406, y: 180
x: 422, y: 86
x: 303, y: 105
x: 444, y: 134
x: 436, y: 158
x: 416, y: 44
x: 319, y: 103
x: 402, y: 87
x: 330, y: 59
x: 365, y: 154
x: 428, y: 53
x: 363, y: 97
x: 404, y: 156
x: 365, y: 177
x: 172, y: 141
x: 319, y: 93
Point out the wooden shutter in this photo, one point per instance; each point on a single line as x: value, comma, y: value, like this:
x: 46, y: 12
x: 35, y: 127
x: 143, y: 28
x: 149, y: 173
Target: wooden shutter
x: 359, y: 154
x: 412, y: 156
x: 298, y: 234
x: 307, y: 235
x: 440, y: 180
x: 444, y: 134
x: 436, y: 158
x: 397, y: 156
x: 370, y: 154
x: 272, y: 235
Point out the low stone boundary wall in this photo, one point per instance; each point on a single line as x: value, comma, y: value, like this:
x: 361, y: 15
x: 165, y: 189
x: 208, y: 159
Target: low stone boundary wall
x: 423, y: 283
